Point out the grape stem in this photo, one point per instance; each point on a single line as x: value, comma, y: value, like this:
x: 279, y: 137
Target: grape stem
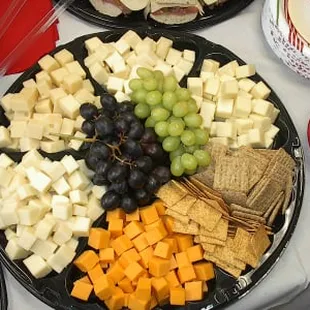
x: 70, y: 137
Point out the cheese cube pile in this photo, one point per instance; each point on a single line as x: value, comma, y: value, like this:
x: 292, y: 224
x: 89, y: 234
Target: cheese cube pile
x: 234, y: 108
x: 48, y: 106
x: 114, y: 64
x: 45, y: 207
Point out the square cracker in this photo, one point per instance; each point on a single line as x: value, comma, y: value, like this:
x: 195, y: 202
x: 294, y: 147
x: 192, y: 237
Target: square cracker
x: 275, y: 211
x: 183, y: 205
x: 226, y: 255
x: 211, y: 240
x: 170, y: 193
x: 236, y: 207
x: 219, y: 232
x: 229, y: 269
x: 234, y: 197
x: 218, y: 150
x: 192, y: 228
x: 279, y: 173
x: 282, y: 157
x: 207, y: 175
x: 232, y: 173
x: 204, y: 215
x: 260, y: 242
x: 181, y: 218
x: 210, y: 248
x: 203, y: 187
x: 248, y: 216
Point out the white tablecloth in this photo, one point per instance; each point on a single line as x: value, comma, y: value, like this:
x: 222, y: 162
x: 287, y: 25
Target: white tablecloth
x: 243, y: 36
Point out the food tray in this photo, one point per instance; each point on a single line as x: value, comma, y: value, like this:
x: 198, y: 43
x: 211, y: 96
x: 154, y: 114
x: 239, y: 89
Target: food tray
x: 54, y: 289
x: 85, y: 11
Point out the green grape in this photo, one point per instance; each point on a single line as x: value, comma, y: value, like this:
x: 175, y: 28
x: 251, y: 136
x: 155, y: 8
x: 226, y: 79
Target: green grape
x: 159, y: 76
x: 139, y: 96
x: 160, y: 85
x: 189, y: 161
x: 161, y: 129
x: 178, y: 152
x: 188, y: 138
x: 183, y: 94
x: 191, y: 149
x: 170, y: 83
x: 174, y: 118
x: 160, y: 114
x: 203, y: 157
x: 150, y: 84
x: 193, y: 120
x: 135, y: 84
x: 180, y: 109
x: 170, y: 144
x: 154, y: 97
x: 157, y: 106
x: 150, y: 122
x: 192, y: 106
x: 202, y: 136
x: 144, y: 73
x: 190, y: 172
x: 176, y: 167
x: 142, y: 110
x: 169, y: 100
x: 176, y: 128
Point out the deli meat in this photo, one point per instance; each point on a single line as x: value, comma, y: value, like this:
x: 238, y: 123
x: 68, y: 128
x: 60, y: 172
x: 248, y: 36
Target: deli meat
x: 177, y: 10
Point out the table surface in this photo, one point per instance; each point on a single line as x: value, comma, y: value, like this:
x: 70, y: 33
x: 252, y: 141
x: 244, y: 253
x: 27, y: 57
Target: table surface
x: 243, y: 35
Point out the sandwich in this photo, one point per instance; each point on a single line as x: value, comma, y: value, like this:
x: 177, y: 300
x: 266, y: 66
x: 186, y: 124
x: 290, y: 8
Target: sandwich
x: 116, y: 8
x: 174, y: 11
x: 213, y: 3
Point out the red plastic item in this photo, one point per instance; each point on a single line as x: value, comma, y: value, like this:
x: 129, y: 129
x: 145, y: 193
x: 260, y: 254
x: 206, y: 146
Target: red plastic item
x: 32, y: 12
x: 309, y: 132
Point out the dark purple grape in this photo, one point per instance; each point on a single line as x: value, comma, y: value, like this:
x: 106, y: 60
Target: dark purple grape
x: 130, y: 117
x: 117, y: 173
x: 108, y: 102
x: 110, y: 200
x: 111, y: 139
x: 100, y: 150
x: 154, y: 150
x: 149, y: 136
x: 136, y: 179
x: 91, y: 160
x: 106, y: 113
x: 131, y: 149
x: 89, y: 128
x: 122, y: 125
x: 99, y: 180
x: 88, y: 111
x: 120, y: 188
x: 162, y: 174
x: 104, y: 126
x: 136, y: 130
x: 126, y: 106
x: 86, y: 146
x: 143, y: 197
x: 103, y: 168
x: 152, y: 184
x: 128, y: 204
x: 144, y: 164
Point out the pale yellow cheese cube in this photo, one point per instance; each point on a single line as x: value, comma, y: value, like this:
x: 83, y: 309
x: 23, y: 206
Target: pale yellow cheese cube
x: 195, y: 85
x: 92, y: 43
x: 78, y: 122
x: 274, y: 115
x: 226, y: 129
x: 20, y: 103
x: 243, y: 140
x: 229, y: 68
x: 242, y: 93
x: 224, y: 108
x: 72, y: 83
x: 44, y: 76
x: 120, y: 96
x: 64, y: 56
x: 242, y: 107
x: 122, y: 71
x: 210, y: 65
x: 189, y: 55
x: 245, y: 71
x: 34, y: 129
x: 185, y: 65
x: 163, y: 46
x: 88, y: 86
x: 260, y: 91
x: 165, y: 68
x: 147, y: 59
x: 6, y: 102
x: 243, y: 125
x: 144, y: 47
x: 58, y: 75
x: 199, y: 100
x: 44, y: 106
x: 272, y: 132
x: 26, y: 144
x: 207, y: 111
x: 246, y: 84
x: 173, y: 56
x: 22, y: 116
x: 212, y: 86
x: 44, y: 89
x: 5, y: 139
x: 56, y: 94
x: 18, y: 129
x: 84, y: 96
x: 67, y: 126
x: 256, y: 138
x: 178, y: 73
x: 70, y: 106
x: 48, y: 63
x: 91, y: 59
x: 263, y: 107
x: 99, y: 73
x: 132, y: 59
x: 213, y: 129
x: 220, y: 140
x: 30, y: 83
x: 52, y: 146
x: 114, y: 59
x: 132, y: 38
x: 206, y: 75
x: 261, y: 122
x: 76, y: 144
x: 229, y: 89
x: 122, y: 46
x: 75, y: 67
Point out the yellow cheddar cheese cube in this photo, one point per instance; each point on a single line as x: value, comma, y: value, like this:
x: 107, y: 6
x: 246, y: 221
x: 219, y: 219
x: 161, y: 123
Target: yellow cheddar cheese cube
x: 173, y: 243
x: 173, y: 263
x: 193, y: 291
x: 149, y: 215
x: 160, y: 207
x: 155, y: 235
x: 128, y: 257
x: 99, y: 238
x: 159, y: 267
x: 84, y: 279
x: 195, y: 253
x: 104, y: 288
x: 169, y: 222
x: 133, y: 271
x: 81, y: 290
x: 172, y: 279
x: 163, y: 250
x: 204, y: 271
x: 157, y: 224
x: 134, y: 216
x: 186, y: 274
x: 103, y: 265
x: 126, y: 299
x: 115, y: 227
x: 121, y: 244
x: 182, y: 259
x: 140, y: 242
x: 184, y: 241
x: 95, y: 273
x: 116, y: 272
x: 161, y: 288
x: 87, y: 260
x: 177, y: 296
x: 117, y: 300
x: 107, y: 255
x: 143, y: 290
x: 146, y: 255
x: 117, y: 214
x: 125, y: 285
x: 138, y: 304
x: 205, y: 287
x: 133, y: 229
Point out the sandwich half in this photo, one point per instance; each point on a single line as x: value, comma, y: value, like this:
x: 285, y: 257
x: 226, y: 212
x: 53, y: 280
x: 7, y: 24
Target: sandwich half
x: 174, y: 11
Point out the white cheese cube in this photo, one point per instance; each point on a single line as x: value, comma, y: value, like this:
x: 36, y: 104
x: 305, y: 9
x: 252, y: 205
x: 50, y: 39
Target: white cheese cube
x: 6, y: 177
x: 73, y: 244
x: 78, y: 197
x: 165, y: 68
x: 98, y: 191
x: 173, y: 56
x: 199, y: 100
x: 115, y: 84
x: 256, y: 138
x: 48, y: 63
x: 145, y: 47
x: 81, y: 226
x: 62, y: 235
x: 92, y: 43
x: 243, y: 140
x: 102, y: 52
x: 94, y: 210
x: 44, y: 248
x: 6, y: 102
x: 59, y: 200
x: 147, y: 59
x: 220, y: 140
x: 39, y: 181
x: 229, y: 89
x: 75, y: 67
x: 121, y: 97
x: 34, y: 129
x: 43, y: 208
x: 89, y: 173
x: 58, y: 75
x: 225, y: 78
x: 243, y: 93
x: 5, y: 139
x: 64, y: 56
x: 78, y: 180
x: 213, y: 129
x: 76, y: 144
x: 242, y: 107
x: 274, y: 115
x: 52, y: 146
x: 179, y: 74
x: 61, y: 259
x: 195, y: 85
x: 132, y: 38
x: 206, y: 75
x: 261, y: 122
x: 9, y: 216
x: 84, y: 96
x: 272, y: 132
x: 99, y: 73
x: 229, y: 68
x: 44, y: 106
x: 17, y: 129
x: 163, y: 47
x: 233, y: 145
x: 30, y: 83
x: 19, y: 229
x: 212, y: 86
x: 72, y: 83
x: 27, y: 239
x: 92, y: 59
x: 62, y: 211
x: 9, y: 234
x: 189, y: 55
x: 78, y: 123
x: 67, y: 127
x: 45, y: 228
x: 44, y: 76
x: 56, y: 94
x: 207, y: 111
x: 246, y: 84
x: 86, y: 84
x: 28, y: 215
x: 210, y: 65
x: 46, y: 198
x: 260, y: 91
x: 26, y: 191
x: 245, y: 71
x: 79, y: 210
x: 132, y: 59
x: 54, y: 170
x: 30, y: 94
x: 122, y: 46
x: 14, y: 251
x: 20, y: 103
x: 268, y: 142
x: 114, y: 59
x: 263, y: 107
x: 226, y: 130
x: 61, y: 186
x: 184, y: 65
x: 70, y: 164
x: 244, y: 125
x: 70, y: 106
x: 224, y: 108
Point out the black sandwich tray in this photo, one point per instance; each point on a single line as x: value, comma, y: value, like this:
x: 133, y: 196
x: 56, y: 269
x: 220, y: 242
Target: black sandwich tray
x: 54, y: 290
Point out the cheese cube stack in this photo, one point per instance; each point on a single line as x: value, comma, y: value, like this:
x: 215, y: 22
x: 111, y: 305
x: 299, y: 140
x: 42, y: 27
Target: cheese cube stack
x: 47, y: 106
x: 45, y: 207
x: 114, y: 64
x: 234, y: 108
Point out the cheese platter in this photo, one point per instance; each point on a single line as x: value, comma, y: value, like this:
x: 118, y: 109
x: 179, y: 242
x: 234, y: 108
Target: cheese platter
x: 75, y: 191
